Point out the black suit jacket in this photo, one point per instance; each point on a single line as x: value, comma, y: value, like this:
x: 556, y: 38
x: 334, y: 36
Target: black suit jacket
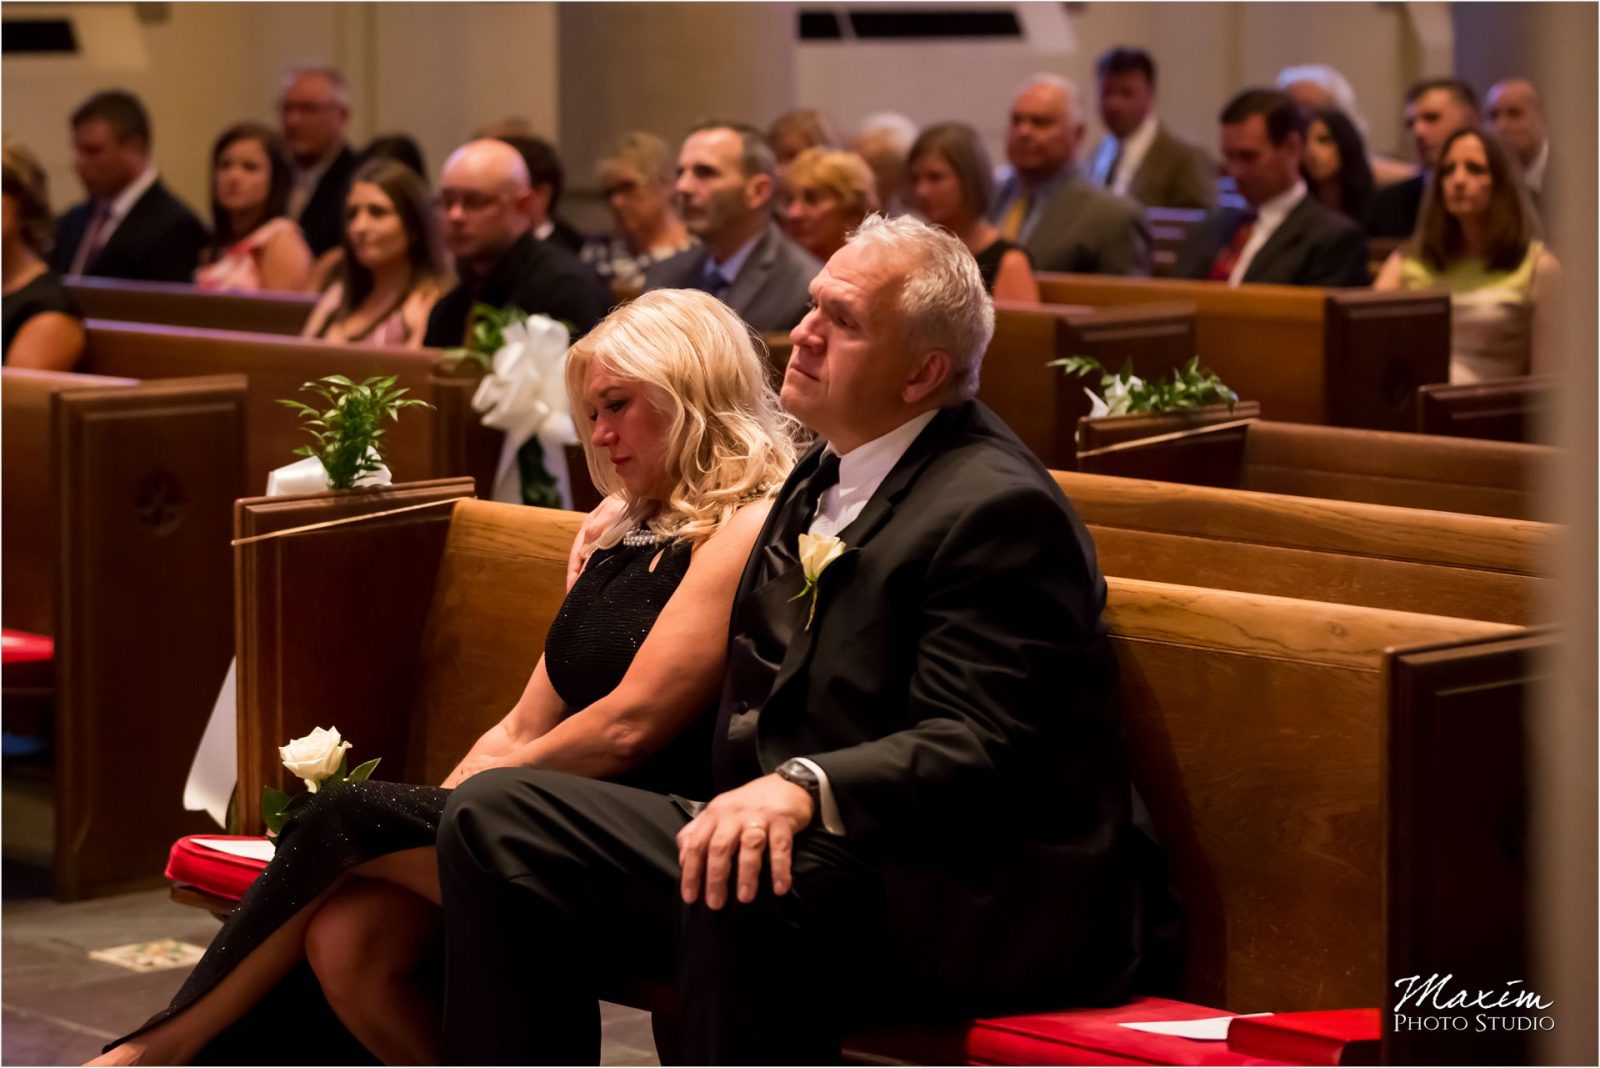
x: 536, y: 276
x: 1395, y: 207
x: 566, y: 235
x: 322, y: 219
x: 159, y: 240
x: 1314, y: 246
x: 955, y: 686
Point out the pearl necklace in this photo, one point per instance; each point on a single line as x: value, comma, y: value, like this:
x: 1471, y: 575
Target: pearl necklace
x: 641, y: 538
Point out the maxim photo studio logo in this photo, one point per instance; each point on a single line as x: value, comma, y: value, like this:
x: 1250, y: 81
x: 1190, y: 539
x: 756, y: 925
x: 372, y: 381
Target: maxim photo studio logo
x: 1433, y: 1004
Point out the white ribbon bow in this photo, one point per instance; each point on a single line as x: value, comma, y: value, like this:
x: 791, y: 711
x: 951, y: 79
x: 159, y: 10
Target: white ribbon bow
x: 525, y: 395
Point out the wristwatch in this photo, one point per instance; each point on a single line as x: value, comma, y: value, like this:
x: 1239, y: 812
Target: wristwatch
x: 802, y: 776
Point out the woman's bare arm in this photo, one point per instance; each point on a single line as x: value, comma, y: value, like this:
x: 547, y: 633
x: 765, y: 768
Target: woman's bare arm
x: 1014, y: 280
x: 50, y: 341
x: 286, y: 262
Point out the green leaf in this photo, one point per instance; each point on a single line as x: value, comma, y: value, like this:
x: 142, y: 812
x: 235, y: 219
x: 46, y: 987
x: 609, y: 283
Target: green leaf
x: 363, y: 771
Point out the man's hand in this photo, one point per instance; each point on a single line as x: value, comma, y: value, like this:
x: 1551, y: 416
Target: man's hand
x: 736, y: 828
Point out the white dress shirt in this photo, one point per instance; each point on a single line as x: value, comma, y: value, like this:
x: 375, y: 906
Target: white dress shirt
x: 861, y: 471
x: 1533, y: 176
x: 1269, y: 217
x: 116, y: 211
x: 1135, y: 147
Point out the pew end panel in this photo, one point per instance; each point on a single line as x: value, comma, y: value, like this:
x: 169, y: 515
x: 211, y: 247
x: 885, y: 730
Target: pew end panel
x: 179, y: 304
x: 1511, y: 409
x: 329, y: 622
x: 1381, y: 347
x: 1041, y: 403
x: 1457, y: 767
x: 144, y: 479
x: 1254, y: 727
x: 1437, y: 563
x: 1204, y: 447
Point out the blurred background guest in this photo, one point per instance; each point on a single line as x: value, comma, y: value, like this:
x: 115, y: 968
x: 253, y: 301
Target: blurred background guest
x: 1516, y: 115
x: 547, y: 177
x: 131, y: 226
x: 1475, y: 240
x: 393, y: 270
x: 636, y: 181
x: 1435, y: 108
x: 315, y: 109
x: 827, y: 195
x: 795, y: 131
x: 398, y: 147
x: 1139, y: 157
x: 42, y: 328
x: 1318, y: 86
x: 884, y: 141
x: 952, y: 183
x: 1335, y: 163
x: 254, y: 244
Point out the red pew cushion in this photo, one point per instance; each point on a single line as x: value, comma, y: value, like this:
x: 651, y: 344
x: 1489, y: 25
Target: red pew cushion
x: 20, y: 647
x: 210, y: 870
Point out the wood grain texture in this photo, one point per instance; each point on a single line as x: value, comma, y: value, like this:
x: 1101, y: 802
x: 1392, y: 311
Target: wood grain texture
x: 1510, y: 409
x: 145, y: 477
x: 1381, y: 347
x: 176, y: 304
x: 276, y: 368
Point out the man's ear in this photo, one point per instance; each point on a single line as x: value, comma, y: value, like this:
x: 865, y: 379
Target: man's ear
x: 522, y: 201
x: 758, y: 190
x: 929, y: 377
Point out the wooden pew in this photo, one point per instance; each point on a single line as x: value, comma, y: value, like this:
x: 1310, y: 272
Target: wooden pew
x: 1406, y: 559
x: 1338, y: 357
x: 1255, y: 724
x: 1169, y: 229
x: 424, y: 444
x: 116, y: 498
x: 1510, y: 409
x: 176, y: 304
x: 1489, y: 478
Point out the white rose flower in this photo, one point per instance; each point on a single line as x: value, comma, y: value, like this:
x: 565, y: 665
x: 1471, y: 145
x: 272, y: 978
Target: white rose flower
x: 314, y: 757
x: 817, y: 553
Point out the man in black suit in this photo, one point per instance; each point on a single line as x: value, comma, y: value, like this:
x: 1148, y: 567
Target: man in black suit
x: 727, y: 176
x: 488, y: 219
x: 1286, y: 237
x: 922, y: 797
x: 131, y: 226
x: 315, y: 109
x: 1435, y: 109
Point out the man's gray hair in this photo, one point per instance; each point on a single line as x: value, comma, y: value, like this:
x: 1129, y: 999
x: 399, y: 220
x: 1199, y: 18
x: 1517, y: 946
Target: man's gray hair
x: 755, y: 155
x: 900, y: 130
x: 942, y: 302
x: 1067, y: 87
x: 335, y: 77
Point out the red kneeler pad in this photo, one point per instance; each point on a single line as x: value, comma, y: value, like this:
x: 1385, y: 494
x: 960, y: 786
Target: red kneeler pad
x: 219, y: 874
x: 26, y: 659
x: 1074, y: 1036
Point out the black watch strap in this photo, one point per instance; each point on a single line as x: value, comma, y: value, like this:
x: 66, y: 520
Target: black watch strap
x: 802, y: 776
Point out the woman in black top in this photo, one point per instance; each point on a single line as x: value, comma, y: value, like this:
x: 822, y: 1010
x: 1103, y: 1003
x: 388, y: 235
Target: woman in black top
x: 951, y: 186
x: 353, y: 886
x: 42, y: 328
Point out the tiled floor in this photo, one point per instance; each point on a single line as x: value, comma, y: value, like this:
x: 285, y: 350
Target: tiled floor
x: 57, y: 1006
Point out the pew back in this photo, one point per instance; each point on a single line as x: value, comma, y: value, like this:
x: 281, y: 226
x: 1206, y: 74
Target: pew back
x: 1254, y: 724
x: 176, y: 304
x: 1308, y: 355
x: 1473, y: 567
x: 276, y: 368
x: 1509, y: 409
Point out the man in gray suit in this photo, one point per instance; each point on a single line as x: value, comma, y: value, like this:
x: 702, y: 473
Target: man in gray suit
x: 726, y: 180
x: 1045, y: 203
x: 1139, y: 157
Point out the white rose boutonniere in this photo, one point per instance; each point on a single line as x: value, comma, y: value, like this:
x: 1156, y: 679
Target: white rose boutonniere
x: 318, y: 760
x: 815, y: 556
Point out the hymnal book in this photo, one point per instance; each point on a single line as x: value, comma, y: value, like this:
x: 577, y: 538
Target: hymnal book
x: 1338, y: 1036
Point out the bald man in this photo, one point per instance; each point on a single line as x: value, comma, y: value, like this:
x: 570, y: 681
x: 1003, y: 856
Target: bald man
x: 1516, y: 114
x: 1047, y: 206
x: 487, y: 206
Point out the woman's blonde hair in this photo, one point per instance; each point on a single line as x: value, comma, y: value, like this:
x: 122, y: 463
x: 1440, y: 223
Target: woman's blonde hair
x: 729, y: 443
x: 843, y: 175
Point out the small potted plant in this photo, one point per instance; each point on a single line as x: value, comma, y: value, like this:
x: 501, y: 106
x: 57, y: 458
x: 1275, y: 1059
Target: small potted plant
x: 349, y: 430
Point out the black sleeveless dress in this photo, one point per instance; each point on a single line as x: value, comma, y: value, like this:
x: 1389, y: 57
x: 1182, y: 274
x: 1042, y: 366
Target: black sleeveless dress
x: 592, y: 641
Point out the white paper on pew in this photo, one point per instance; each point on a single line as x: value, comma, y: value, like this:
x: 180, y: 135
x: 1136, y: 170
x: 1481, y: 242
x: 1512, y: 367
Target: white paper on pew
x: 214, y: 770
x: 249, y: 848
x: 1207, y: 1029
x: 215, y: 766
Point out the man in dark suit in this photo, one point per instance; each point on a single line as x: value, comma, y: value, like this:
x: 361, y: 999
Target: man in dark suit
x: 1064, y: 221
x: 1286, y: 237
x: 922, y: 800
x: 131, y: 226
x: 546, y: 177
x: 1139, y: 157
x: 315, y: 108
x: 727, y: 177
x: 488, y: 214
x: 1435, y: 109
